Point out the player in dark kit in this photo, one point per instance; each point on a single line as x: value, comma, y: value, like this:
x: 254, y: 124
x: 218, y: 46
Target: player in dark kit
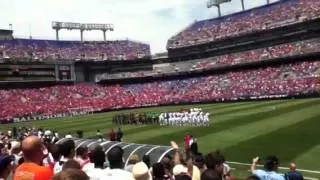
x: 119, y: 135
x: 112, y: 135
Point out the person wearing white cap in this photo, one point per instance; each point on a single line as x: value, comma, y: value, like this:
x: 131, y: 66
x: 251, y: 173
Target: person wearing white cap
x: 140, y: 171
x: 15, y: 151
x: 68, y: 136
x: 179, y: 169
x: 9, y: 134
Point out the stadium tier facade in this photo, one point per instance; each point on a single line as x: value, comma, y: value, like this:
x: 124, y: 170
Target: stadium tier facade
x: 266, y: 52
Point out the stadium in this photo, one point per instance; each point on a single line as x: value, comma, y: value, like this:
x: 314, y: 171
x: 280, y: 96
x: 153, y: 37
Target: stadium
x: 246, y: 84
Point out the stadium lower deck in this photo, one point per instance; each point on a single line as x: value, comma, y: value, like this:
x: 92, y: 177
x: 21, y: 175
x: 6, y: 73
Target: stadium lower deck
x: 242, y: 130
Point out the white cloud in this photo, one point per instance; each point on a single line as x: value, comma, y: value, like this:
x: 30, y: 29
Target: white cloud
x: 151, y: 21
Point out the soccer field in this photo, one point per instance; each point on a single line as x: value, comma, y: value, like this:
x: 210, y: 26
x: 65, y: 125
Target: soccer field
x: 288, y: 129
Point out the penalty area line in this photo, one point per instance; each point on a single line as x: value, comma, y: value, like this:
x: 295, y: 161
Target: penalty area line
x: 285, y: 168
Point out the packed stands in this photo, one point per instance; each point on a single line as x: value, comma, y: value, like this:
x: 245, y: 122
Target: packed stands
x: 73, y: 50
x: 263, y: 54
x: 279, y: 14
x: 286, y: 80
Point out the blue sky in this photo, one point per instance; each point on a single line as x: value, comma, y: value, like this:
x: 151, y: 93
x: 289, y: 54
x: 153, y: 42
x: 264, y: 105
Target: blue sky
x: 150, y: 21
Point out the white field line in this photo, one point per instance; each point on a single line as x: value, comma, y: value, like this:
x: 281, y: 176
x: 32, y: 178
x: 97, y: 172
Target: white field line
x: 310, y: 178
x: 302, y: 170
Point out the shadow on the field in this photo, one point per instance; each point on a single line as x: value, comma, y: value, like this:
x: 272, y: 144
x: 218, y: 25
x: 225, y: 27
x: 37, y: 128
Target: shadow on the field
x: 225, y: 125
x: 286, y: 143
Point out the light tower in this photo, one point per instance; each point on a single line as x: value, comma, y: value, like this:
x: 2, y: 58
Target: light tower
x: 216, y: 3
x: 57, y: 26
x: 242, y: 4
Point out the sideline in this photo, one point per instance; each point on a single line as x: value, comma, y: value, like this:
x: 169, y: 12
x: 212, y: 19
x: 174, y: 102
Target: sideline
x: 302, y: 170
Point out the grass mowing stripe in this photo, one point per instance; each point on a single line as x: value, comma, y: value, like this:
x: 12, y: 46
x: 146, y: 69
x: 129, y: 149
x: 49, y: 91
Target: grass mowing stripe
x: 308, y: 158
x: 249, y: 107
x: 240, y: 134
x: 278, y: 142
x: 231, y: 105
x: 162, y: 137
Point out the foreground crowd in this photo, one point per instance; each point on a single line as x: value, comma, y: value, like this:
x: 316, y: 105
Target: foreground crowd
x: 33, y: 159
x: 286, y: 80
x: 280, y: 14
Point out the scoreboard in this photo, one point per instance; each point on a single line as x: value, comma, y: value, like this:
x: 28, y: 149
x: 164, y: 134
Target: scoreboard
x: 36, y: 72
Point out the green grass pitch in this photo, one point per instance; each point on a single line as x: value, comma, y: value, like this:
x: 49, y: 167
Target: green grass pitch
x: 288, y: 129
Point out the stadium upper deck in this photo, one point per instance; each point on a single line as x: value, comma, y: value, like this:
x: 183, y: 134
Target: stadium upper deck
x: 279, y: 14
x: 73, y: 50
x: 254, y: 56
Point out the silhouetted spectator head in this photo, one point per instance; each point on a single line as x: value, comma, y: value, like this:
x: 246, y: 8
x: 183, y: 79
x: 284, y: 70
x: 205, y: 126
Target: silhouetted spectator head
x: 146, y: 160
x: 92, y: 149
x: 71, y: 174
x: 82, y: 152
x: 55, y: 152
x: 253, y: 177
x: 271, y: 163
x: 214, y: 160
x: 210, y: 174
x: 167, y: 163
x: 99, y: 158
x: 199, y: 161
x: 115, y: 157
x: 158, y: 171
x: 182, y: 177
x: 71, y: 164
x: 6, y: 166
x: 67, y: 148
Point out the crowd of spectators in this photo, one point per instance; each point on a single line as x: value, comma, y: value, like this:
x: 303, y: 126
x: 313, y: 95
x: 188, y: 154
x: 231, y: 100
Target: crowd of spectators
x: 285, y: 80
x: 263, y: 54
x: 34, y: 158
x: 271, y: 16
x: 73, y: 50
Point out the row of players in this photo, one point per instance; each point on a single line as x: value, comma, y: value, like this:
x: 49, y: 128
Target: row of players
x: 192, y: 118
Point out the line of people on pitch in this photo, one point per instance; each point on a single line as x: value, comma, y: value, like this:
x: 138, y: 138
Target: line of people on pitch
x: 193, y: 117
